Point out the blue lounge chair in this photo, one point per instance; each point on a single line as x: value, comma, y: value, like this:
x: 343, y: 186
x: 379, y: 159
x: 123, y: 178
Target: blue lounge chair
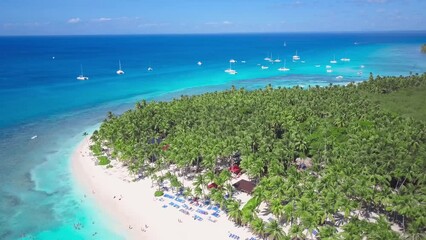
x: 196, y: 217
x: 215, y: 214
x: 201, y: 211
x: 169, y: 196
x: 164, y: 206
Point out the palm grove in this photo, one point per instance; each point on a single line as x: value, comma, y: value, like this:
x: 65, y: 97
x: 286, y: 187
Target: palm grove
x: 365, y: 159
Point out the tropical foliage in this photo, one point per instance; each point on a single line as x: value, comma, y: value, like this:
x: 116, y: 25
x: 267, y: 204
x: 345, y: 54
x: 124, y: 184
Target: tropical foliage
x: 368, y: 164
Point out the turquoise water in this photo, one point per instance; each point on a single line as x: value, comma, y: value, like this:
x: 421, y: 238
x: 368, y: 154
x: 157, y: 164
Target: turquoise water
x: 40, y: 96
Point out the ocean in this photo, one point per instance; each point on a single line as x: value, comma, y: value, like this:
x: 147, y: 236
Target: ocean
x: 40, y: 96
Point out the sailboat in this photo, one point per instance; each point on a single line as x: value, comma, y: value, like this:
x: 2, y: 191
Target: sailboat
x: 296, y: 57
x: 81, y: 77
x: 278, y: 60
x: 230, y: 70
x: 119, y: 71
x: 284, y: 69
x: 334, y: 60
x: 269, y: 59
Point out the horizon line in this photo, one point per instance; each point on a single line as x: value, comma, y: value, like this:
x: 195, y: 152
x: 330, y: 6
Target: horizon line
x: 213, y: 33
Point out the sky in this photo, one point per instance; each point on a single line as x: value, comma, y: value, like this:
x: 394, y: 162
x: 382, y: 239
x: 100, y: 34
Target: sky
x: 82, y: 17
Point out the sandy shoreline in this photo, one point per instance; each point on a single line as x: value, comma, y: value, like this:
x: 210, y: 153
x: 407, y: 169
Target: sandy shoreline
x: 138, y: 214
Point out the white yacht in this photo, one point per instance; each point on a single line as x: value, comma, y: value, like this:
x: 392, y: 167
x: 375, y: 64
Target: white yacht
x: 278, y: 60
x: 284, y: 69
x: 199, y: 63
x: 230, y: 70
x: 296, y: 57
x: 119, y: 71
x: 327, y: 66
x: 264, y: 67
x: 345, y: 59
x: 81, y: 77
x: 150, y: 69
x: 340, y: 77
x: 334, y: 60
x: 317, y: 65
x: 329, y: 70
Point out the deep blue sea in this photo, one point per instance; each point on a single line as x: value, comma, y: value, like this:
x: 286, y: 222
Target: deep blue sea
x: 39, y: 95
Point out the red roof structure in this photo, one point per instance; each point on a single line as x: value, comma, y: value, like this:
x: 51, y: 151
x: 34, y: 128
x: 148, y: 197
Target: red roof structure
x: 235, y: 169
x: 212, y: 185
x: 244, y: 186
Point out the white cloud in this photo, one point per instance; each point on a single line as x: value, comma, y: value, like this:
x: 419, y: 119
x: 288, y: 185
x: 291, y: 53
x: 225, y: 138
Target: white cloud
x: 148, y: 25
x: 102, y: 19
x: 226, y: 22
x: 74, y: 20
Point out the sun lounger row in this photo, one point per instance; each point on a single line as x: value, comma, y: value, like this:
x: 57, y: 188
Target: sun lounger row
x: 201, y: 211
x: 174, y: 204
x: 196, y: 217
x: 184, y: 211
x: 231, y: 235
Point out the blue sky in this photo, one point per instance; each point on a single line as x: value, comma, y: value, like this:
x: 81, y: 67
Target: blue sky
x: 63, y: 17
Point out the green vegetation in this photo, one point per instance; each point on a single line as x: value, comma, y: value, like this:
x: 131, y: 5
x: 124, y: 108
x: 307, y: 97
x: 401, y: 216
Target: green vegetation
x: 365, y: 159
x: 103, y: 160
x: 158, y: 193
x: 409, y: 102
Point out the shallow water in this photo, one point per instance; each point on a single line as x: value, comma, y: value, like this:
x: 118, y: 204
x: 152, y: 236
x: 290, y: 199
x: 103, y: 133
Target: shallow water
x: 40, y: 96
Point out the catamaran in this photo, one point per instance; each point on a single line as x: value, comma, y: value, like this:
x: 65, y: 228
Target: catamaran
x: 284, y: 69
x: 296, y: 57
x: 119, y: 71
x: 230, y: 70
x: 81, y: 77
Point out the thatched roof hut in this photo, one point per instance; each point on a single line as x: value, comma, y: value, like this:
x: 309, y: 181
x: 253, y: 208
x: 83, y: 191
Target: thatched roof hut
x: 244, y: 186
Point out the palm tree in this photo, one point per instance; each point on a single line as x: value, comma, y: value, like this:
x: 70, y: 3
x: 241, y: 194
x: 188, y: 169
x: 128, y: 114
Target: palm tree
x: 275, y: 231
x: 258, y: 226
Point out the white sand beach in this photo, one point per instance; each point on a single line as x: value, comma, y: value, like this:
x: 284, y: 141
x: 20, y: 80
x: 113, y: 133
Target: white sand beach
x: 138, y: 214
